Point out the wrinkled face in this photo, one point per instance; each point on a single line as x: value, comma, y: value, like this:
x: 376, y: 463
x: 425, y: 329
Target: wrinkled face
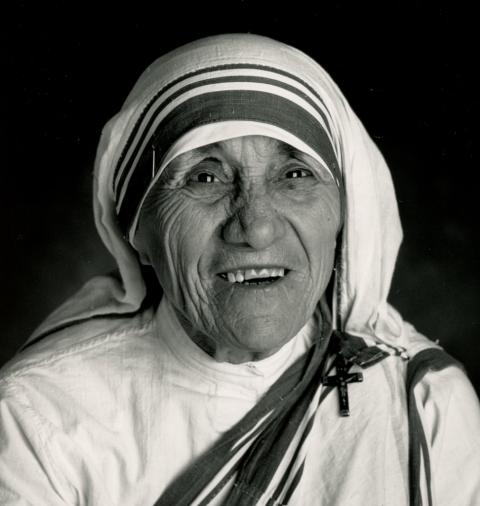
x: 241, y: 235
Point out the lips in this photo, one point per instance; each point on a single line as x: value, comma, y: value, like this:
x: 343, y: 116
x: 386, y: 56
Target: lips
x: 258, y: 275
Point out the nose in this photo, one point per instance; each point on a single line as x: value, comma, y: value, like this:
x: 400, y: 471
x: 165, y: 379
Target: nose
x: 255, y: 224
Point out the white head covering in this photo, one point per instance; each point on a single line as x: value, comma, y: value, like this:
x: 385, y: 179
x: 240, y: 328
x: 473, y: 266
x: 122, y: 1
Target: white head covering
x: 371, y: 233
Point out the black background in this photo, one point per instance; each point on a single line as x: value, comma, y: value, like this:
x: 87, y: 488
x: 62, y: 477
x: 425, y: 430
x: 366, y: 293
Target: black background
x: 409, y: 72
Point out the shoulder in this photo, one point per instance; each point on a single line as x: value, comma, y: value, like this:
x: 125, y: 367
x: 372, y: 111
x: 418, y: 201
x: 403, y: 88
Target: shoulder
x: 86, y: 385
x: 90, y: 356
x: 443, y: 420
x: 434, y: 377
x: 439, y: 388
x: 445, y: 396
x: 444, y: 403
x: 82, y: 383
x: 77, y: 339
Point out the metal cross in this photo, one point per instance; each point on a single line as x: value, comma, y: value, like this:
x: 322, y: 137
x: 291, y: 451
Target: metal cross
x: 340, y: 380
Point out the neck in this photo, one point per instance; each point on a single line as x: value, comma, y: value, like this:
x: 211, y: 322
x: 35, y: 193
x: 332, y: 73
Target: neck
x: 221, y: 353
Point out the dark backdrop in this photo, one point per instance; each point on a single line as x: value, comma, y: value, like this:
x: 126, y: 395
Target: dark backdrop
x: 409, y: 73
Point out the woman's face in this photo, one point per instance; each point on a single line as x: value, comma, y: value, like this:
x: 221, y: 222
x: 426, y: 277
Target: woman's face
x: 241, y: 235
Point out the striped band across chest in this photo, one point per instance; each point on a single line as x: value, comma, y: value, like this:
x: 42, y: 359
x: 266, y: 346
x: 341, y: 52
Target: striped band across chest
x: 213, y: 95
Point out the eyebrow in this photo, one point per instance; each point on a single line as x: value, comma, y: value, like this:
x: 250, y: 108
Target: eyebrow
x: 185, y: 162
x: 199, y: 152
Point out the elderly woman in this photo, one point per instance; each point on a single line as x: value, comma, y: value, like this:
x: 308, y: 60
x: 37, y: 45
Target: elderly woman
x: 245, y: 352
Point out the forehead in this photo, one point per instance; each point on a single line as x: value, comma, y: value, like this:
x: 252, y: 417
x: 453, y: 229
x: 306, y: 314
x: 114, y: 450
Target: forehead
x: 242, y: 149
x: 252, y: 146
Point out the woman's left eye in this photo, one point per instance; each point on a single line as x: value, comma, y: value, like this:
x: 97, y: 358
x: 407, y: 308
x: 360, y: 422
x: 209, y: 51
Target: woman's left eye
x: 297, y: 173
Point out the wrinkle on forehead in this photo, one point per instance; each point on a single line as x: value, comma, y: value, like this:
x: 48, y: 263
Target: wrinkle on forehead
x: 250, y: 147
x: 236, y: 148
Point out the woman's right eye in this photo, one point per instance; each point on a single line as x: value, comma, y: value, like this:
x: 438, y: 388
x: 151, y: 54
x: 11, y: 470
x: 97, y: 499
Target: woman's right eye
x: 204, y: 177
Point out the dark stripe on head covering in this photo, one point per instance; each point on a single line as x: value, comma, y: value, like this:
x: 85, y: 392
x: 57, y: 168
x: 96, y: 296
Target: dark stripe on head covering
x: 213, y: 107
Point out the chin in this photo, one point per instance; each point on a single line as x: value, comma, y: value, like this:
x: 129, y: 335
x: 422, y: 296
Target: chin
x: 263, y: 335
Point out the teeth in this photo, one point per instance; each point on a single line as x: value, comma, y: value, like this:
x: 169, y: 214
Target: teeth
x: 250, y: 274
x: 241, y: 276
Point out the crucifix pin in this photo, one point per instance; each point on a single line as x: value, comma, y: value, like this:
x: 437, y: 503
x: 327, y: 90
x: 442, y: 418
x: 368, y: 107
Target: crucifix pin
x: 341, y: 380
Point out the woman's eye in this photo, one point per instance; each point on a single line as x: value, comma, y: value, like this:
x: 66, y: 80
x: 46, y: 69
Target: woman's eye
x: 297, y: 173
x: 205, y: 177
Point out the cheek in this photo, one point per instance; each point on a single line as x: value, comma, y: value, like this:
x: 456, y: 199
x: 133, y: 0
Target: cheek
x: 176, y: 239
x: 316, y: 221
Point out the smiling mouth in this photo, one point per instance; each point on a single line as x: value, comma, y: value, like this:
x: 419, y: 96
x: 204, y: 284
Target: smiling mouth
x: 255, y: 277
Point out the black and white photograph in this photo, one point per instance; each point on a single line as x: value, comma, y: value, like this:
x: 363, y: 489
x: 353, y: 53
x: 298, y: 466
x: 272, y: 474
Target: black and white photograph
x: 240, y: 255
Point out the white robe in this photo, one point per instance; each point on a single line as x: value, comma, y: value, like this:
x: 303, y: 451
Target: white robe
x: 108, y: 412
